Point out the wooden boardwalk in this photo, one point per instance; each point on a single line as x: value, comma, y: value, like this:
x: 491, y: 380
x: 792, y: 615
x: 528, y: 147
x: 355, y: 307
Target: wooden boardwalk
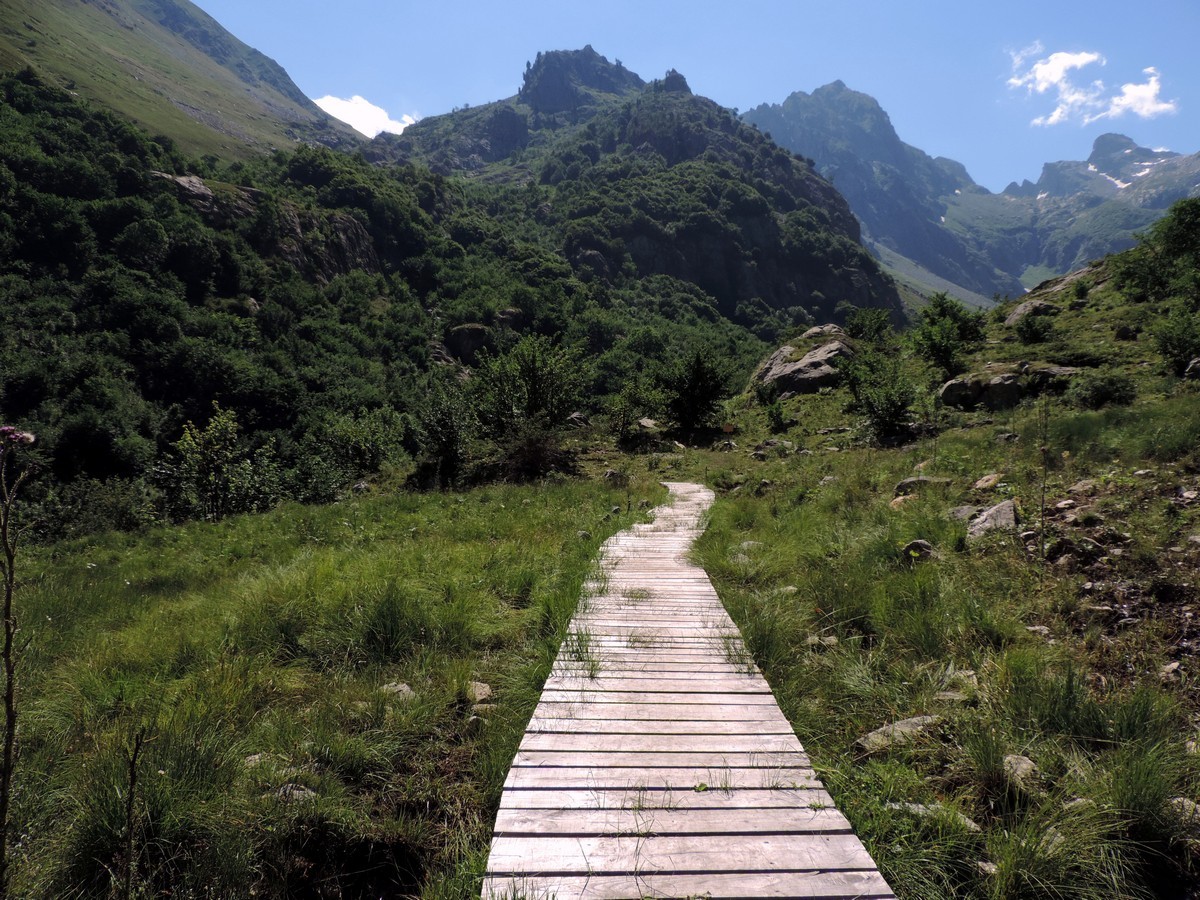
x: 657, y: 763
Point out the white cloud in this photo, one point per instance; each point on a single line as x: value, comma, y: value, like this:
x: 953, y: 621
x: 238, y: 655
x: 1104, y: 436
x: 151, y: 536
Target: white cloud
x: 364, y: 116
x: 1085, y: 103
x: 1140, y: 99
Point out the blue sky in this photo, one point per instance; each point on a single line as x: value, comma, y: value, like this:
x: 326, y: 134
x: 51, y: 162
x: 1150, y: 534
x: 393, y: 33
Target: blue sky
x: 1001, y: 87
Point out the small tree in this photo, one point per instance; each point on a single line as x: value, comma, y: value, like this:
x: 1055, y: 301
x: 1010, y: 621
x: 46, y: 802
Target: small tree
x: 945, y: 331
x: 446, y: 424
x: 11, y: 439
x: 1178, y: 338
x: 694, y: 388
x: 882, y: 391
x: 533, y: 384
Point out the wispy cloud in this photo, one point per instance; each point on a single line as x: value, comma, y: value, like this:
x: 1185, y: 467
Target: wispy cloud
x: 364, y: 116
x: 1057, y: 75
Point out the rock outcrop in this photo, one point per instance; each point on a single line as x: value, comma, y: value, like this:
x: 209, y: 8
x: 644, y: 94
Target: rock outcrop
x: 813, y: 371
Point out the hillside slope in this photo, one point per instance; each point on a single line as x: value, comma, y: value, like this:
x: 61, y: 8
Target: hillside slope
x: 170, y: 67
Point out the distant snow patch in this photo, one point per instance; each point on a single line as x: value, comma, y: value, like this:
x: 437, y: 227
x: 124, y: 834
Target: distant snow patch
x: 957, y: 191
x: 1118, y: 182
x: 1043, y: 195
x: 943, y: 220
x: 363, y: 116
x: 1092, y: 168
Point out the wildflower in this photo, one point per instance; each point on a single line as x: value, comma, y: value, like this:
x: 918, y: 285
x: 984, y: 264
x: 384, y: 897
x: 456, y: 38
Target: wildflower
x: 9, y: 434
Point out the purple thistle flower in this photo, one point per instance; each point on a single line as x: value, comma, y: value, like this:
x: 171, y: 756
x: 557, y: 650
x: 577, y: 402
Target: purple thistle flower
x: 12, y: 435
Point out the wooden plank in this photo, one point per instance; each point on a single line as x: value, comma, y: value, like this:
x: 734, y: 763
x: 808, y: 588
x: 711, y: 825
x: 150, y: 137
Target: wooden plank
x: 706, y: 712
x: 665, y: 697
x: 616, y: 798
x: 676, y: 854
x: 684, y: 778
x: 676, y: 743
x: 646, y: 819
x: 728, y: 684
x: 715, y: 760
x: 766, y: 728
x: 859, y: 885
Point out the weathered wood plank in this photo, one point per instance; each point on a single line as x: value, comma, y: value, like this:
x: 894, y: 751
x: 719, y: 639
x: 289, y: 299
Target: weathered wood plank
x: 716, y: 760
x: 572, y: 706
x: 646, y: 819
x: 868, y: 885
x: 628, y: 797
x: 676, y: 854
x: 685, y: 778
x: 675, y: 743
x: 765, y: 728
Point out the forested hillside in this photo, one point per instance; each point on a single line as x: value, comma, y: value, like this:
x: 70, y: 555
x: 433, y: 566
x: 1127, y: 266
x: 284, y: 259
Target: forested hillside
x: 301, y: 300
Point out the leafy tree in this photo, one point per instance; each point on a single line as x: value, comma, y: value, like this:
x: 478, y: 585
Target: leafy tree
x: 533, y: 384
x: 945, y: 330
x: 694, y: 388
x: 869, y: 324
x: 882, y: 392
x: 447, y: 424
x: 1178, y: 338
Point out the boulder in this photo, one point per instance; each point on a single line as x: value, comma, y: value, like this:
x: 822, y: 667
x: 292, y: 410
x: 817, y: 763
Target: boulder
x: 1192, y: 372
x: 295, y: 793
x: 465, y: 341
x: 578, y: 420
x: 917, y: 550
x: 917, y: 482
x: 964, y: 513
x: 1125, y: 333
x: 1001, y: 517
x: 961, y: 393
x: 813, y: 371
x: 897, y: 733
x: 1031, y: 308
x: 987, y: 482
x: 1002, y: 391
x: 822, y: 331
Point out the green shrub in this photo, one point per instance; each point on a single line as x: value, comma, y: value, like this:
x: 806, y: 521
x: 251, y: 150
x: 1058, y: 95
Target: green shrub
x: 882, y: 392
x: 1034, y: 329
x: 1178, y: 338
x: 1096, y: 390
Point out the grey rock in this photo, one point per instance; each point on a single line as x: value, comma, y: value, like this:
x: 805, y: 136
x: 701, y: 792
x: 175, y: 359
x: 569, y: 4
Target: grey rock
x: 822, y: 331
x: 1125, y: 333
x: 584, y: 535
x: 578, y: 420
x: 1001, y: 517
x: 937, y: 811
x: 295, y: 793
x: 399, y: 690
x: 917, y: 550
x: 1002, y: 391
x: 466, y: 341
x: 898, y: 733
x: 478, y: 691
x: 1188, y: 812
x: 964, y: 513
x: 1031, y: 308
x: 917, y: 482
x: 1022, y: 773
x: 813, y: 371
x: 987, y: 482
x: 961, y: 393
x: 1192, y: 372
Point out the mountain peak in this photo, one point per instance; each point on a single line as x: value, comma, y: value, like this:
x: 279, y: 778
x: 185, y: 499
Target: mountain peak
x: 559, y: 80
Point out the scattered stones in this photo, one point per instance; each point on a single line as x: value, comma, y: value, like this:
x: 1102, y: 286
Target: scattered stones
x: 917, y: 482
x: 917, y: 550
x: 898, y: 733
x: 399, y: 690
x: 1001, y: 517
x: 478, y: 691
x: 937, y: 811
x: 1169, y: 672
x: 1022, y: 773
x: 295, y: 793
x: 964, y: 513
x: 901, y: 500
x: 1086, y: 487
x: 987, y: 482
x: 1040, y: 630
